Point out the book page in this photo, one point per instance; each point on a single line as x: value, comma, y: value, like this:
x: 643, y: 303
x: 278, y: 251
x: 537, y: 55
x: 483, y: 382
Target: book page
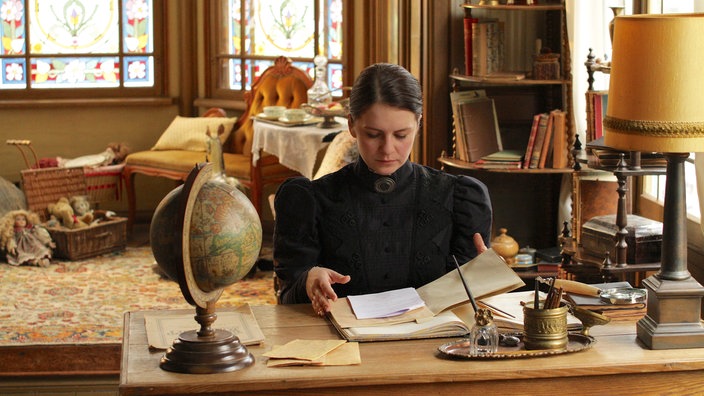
x: 165, y: 327
x: 486, y: 275
x: 445, y: 323
x: 385, y: 304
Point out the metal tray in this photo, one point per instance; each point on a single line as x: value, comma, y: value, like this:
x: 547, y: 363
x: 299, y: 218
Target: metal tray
x: 459, y: 349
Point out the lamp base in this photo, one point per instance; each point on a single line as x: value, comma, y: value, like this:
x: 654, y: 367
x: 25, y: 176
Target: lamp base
x: 673, y: 317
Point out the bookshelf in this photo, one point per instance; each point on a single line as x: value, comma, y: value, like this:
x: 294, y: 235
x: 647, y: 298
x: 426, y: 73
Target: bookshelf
x: 535, y: 222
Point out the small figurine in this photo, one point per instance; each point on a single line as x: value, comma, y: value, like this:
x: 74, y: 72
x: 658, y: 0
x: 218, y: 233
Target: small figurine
x: 24, y: 240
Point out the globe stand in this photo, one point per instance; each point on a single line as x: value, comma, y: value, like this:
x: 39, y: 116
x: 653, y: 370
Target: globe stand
x: 206, y: 263
x: 207, y: 350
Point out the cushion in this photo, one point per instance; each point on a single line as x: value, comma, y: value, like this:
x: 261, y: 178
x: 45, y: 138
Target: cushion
x: 188, y: 133
x: 341, y: 151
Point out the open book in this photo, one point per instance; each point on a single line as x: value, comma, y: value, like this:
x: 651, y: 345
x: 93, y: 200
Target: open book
x: 487, y: 275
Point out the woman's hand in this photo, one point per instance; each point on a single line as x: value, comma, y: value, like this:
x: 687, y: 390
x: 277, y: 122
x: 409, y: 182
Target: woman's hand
x: 319, y: 287
x: 479, y: 243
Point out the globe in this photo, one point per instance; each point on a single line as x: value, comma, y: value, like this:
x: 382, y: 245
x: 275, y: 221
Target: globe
x: 206, y: 235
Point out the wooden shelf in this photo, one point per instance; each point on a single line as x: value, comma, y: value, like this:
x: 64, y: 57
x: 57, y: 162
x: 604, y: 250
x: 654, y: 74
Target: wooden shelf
x: 460, y: 164
x: 505, y: 81
x: 516, y: 7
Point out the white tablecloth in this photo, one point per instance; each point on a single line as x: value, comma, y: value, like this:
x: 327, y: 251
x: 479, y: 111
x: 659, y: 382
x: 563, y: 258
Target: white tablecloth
x: 296, y: 147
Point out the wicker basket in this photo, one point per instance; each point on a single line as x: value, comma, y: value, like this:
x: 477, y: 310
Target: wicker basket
x: 45, y: 186
x: 109, y: 236
x: 104, y: 183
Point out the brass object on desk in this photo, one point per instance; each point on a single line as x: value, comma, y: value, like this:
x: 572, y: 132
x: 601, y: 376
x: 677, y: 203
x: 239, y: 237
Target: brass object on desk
x: 588, y: 318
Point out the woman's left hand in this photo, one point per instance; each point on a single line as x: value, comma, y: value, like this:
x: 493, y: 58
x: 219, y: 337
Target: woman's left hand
x: 479, y: 243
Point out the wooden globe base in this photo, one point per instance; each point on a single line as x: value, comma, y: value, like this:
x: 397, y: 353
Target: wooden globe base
x: 193, y: 354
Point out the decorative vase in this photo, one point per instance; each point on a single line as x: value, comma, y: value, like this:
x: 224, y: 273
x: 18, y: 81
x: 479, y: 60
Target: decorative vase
x: 617, y: 11
x: 505, y: 246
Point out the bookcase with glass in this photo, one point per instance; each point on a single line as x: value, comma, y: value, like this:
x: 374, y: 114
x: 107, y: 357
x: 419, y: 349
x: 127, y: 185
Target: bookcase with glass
x: 511, y: 101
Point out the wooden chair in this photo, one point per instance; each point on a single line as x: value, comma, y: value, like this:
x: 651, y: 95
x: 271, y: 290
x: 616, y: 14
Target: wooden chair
x: 281, y: 84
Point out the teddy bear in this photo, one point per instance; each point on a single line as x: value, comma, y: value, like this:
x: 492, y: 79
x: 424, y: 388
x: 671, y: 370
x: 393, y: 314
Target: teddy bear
x: 81, y: 208
x: 63, y: 211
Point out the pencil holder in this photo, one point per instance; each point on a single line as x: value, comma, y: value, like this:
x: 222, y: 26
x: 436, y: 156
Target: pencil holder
x: 544, y: 328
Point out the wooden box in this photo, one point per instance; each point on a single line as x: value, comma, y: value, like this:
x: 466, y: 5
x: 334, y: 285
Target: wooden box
x: 106, y: 237
x: 644, y: 238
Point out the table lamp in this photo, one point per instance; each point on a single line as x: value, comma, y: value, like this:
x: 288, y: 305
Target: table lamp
x: 656, y: 97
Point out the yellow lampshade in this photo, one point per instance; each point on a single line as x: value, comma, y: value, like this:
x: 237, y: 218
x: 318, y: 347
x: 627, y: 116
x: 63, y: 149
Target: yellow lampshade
x: 656, y: 92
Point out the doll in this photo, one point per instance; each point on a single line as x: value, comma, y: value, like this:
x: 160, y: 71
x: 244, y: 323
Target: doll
x: 24, y: 239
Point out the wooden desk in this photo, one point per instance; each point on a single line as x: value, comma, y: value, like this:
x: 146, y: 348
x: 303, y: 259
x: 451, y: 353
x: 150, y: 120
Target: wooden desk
x: 617, y: 364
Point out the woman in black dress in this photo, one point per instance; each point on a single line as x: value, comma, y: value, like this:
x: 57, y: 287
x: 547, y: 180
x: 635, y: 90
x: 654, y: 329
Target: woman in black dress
x: 382, y: 222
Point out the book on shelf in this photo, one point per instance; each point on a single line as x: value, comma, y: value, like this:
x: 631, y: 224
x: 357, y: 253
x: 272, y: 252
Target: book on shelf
x: 502, y: 76
x: 436, y: 318
x: 504, y: 159
x: 560, y: 149
x: 531, y: 141
x: 546, y: 150
x: 476, y: 125
x: 487, y: 46
x: 484, y: 164
x: 468, y: 22
x: 539, y: 139
x: 596, y: 102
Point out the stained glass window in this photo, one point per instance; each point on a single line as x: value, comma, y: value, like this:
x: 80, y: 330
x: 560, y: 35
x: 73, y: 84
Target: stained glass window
x: 55, y: 44
x: 252, y: 33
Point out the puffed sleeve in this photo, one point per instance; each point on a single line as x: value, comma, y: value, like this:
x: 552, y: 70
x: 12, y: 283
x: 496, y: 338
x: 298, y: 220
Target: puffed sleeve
x: 296, y: 243
x: 472, y: 213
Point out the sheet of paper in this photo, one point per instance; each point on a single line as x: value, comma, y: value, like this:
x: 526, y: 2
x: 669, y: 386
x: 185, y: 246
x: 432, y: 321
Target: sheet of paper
x: 385, y: 304
x: 304, y: 349
x: 487, y: 274
x: 341, y: 313
x: 345, y: 355
x: 165, y: 327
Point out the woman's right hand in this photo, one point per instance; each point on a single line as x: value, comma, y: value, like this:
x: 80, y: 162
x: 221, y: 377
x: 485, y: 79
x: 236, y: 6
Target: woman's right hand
x: 319, y: 287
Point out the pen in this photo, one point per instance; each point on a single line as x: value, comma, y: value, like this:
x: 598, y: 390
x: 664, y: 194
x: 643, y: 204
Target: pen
x: 466, y: 288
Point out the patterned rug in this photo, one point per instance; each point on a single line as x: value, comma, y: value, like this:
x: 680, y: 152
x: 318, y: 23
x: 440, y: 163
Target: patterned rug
x: 83, y: 302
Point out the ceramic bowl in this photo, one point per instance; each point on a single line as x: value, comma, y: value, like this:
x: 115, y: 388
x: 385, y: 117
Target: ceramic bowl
x: 274, y: 111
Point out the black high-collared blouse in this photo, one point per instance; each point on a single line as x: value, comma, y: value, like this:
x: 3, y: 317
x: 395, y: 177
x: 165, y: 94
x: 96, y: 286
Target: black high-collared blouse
x: 384, y: 240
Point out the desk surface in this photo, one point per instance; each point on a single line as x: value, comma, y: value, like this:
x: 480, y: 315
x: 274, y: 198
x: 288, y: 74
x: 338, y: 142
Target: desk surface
x: 616, y: 364
x: 296, y: 147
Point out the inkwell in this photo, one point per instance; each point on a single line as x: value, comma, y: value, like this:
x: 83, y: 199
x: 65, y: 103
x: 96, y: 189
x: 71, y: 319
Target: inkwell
x: 484, y: 335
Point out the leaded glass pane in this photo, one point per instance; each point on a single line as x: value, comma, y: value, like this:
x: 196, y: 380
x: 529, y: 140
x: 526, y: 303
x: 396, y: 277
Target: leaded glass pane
x: 258, y: 31
x: 139, y: 71
x: 74, y: 26
x: 13, y: 21
x: 72, y: 72
x: 76, y: 43
x: 137, y: 26
x: 14, y: 73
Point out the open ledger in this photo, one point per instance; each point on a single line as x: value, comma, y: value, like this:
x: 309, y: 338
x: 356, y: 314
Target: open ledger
x: 445, y: 312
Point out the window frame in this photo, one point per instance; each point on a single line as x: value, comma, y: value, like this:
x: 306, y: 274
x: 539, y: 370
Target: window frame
x: 71, y: 94
x: 213, y: 89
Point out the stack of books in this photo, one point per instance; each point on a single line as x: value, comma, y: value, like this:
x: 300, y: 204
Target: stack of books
x: 547, y: 143
x: 505, y: 159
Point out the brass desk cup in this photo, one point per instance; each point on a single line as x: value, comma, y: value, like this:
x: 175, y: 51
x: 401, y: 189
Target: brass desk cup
x: 544, y: 328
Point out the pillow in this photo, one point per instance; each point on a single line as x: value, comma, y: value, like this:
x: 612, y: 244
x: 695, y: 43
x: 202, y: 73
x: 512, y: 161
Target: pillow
x: 341, y: 151
x: 188, y: 133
